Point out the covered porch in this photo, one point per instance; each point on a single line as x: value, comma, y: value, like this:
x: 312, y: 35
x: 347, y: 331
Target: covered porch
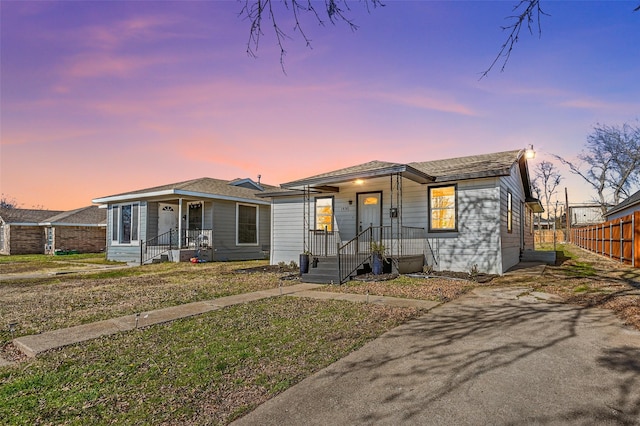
x: 178, y: 230
x: 353, y: 215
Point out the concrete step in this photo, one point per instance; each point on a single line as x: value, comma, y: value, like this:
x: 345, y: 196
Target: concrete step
x: 548, y: 257
x: 320, y: 278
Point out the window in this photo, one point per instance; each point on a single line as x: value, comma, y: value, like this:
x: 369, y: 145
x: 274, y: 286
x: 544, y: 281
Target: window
x: 246, y: 224
x: 124, y: 223
x: 2, y: 236
x: 509, y: 212
x: 443, y: 208
x: 324, y: 213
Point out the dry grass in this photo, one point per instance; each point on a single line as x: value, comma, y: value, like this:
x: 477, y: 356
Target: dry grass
x: 586, y: 279
x: 436, y: 289
x: 43, y: 304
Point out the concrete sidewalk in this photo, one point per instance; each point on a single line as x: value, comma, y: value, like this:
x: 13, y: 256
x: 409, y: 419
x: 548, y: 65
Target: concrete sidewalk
x: 35, y: 344
x: 495, y: 356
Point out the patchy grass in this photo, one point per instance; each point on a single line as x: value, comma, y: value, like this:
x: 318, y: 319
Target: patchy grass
x: 580, y: 269
x: 587, y: 279
x: 436, y: 289
x: 43, y: 263
x: 44, y: 304
x: 204, y: 370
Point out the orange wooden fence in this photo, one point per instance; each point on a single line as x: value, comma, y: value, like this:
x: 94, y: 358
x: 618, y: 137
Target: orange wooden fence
x: 617, y: 239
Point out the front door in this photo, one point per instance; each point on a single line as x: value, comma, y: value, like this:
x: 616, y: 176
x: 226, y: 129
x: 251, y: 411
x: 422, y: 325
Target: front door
x: 167, y: 218
x: 369, y: 210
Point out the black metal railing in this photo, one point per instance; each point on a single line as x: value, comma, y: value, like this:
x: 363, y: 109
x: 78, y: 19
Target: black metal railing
x: 323, y: 242
x: 404, y: 241
x: 157, y: 246
x: 196, y: 238
x: 191, y: 238
x: 356, y: 252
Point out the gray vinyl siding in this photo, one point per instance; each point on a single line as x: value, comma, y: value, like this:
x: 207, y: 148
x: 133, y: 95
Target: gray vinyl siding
x: 481, y: 222
x: 512, y: 242
x: 477, y: 241
x: 224, y: 233
x: 127, y: 253
x: 152, y: 220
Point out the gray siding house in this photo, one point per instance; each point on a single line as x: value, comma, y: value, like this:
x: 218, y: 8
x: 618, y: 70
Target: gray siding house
x: 460, y: 214
x: 206, y: 219
x: 625, y: 208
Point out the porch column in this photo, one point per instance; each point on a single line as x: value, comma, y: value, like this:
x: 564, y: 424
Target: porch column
x: 179, y: 223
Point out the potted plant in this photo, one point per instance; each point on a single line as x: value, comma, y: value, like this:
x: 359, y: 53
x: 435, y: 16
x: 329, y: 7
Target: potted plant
x: 304, y: 262
x: 377, y: 256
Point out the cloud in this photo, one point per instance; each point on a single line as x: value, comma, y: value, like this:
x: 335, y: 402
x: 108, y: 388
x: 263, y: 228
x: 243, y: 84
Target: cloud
x: 421, y: 101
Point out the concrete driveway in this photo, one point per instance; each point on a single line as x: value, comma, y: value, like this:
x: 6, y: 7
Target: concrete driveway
x: 495, y: 357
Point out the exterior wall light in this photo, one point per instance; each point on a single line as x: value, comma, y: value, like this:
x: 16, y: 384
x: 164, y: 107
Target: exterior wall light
x: 529, y: 153
x: 359, y: 182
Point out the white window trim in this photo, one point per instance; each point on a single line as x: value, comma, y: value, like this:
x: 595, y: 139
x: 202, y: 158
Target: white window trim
x: 116, y: 222
x: 257, y: 207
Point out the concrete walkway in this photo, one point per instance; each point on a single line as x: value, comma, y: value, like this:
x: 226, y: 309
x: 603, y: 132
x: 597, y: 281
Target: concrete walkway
x: 494, y: 356
x: 35, y: 344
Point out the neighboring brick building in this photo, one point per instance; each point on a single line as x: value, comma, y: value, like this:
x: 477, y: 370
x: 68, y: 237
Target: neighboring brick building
x: 28, y: 231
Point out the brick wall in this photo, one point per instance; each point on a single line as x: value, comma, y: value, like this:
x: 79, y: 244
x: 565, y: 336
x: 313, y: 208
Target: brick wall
x: 24, y: 239
x: 84, y: 239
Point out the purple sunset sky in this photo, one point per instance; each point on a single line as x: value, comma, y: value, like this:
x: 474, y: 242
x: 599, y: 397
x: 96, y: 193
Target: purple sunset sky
x: 99, y: 98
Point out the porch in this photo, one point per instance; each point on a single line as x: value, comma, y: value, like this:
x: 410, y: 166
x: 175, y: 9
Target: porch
x: 401, y: 249
x: 178, y: 246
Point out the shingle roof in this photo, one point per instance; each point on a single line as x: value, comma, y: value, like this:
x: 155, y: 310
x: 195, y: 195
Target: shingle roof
x: 90, y: 215
x: 26, y: 215
x: 486, y: 165
x: 631, y: 201
x: 202, y: 187
x: 475, y: 166
x: 370, y: 169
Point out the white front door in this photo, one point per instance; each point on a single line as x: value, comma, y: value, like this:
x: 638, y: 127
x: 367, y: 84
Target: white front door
x: 167, y: 218
x: 369, y: 210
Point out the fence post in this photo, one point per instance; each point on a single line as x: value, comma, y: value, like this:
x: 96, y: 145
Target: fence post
x: 622, y: 240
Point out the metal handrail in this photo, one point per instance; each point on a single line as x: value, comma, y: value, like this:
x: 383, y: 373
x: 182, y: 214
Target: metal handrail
x: 158, y: 245
x: 323, y: 242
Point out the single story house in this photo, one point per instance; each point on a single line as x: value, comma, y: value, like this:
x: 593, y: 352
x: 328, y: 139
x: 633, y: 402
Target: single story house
x: 625, y: 208
x: 208, y: 219
x: 30, y: 231
x: 462, y: 214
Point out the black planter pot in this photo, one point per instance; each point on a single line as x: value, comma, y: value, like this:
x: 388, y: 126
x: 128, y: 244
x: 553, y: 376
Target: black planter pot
x: 304, y: 264
x: 377, y: 264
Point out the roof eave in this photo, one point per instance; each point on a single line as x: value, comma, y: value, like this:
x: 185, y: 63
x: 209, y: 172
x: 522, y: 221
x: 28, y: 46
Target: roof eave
x: 173, y: 192
x: 406, y: 171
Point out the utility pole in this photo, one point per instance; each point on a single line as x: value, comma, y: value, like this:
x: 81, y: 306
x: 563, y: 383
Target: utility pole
x: 567, y: 237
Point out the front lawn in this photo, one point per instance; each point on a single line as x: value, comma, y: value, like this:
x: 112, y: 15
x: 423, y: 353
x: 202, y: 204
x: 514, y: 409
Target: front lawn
x: 208, y: 369
x: 42, y: 304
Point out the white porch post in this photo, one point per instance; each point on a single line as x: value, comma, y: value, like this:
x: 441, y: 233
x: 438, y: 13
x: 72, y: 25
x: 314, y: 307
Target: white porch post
x: 179, y: 223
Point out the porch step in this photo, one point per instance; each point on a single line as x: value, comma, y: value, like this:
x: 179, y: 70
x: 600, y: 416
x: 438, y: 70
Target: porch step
x: 324, y: 272
x: 163, y: 258
x: 548, y: 257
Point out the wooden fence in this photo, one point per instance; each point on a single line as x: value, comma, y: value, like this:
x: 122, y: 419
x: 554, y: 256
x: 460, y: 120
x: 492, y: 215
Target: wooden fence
x: 617, y: 239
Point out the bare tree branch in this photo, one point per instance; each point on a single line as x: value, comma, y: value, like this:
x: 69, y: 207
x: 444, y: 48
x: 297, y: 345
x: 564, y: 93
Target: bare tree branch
x: 254, y: 11
x: 531, y: 16
x: 611, y: 161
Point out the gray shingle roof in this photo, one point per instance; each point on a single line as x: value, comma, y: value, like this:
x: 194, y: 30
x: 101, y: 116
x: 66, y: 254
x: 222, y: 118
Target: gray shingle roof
x: 476, y: 166
x: 90, y: 215
x: 26, y: 215
x: 202, y: 187
x: 631, y: 201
